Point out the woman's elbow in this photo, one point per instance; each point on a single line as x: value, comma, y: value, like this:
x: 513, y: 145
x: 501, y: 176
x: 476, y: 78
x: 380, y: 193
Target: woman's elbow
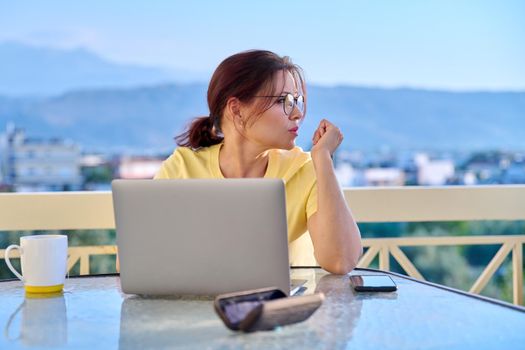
x: 338, y: 268
x: 344, y: 264
x: 340, y: 259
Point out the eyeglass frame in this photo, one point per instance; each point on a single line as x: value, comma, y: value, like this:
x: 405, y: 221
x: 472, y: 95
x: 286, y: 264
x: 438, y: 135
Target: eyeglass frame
x: 295, y: 101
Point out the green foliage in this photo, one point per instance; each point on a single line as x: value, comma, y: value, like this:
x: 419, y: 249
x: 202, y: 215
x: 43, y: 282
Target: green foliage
x: 382, y: 230
x: 100, y: 174
x: 444, y: 265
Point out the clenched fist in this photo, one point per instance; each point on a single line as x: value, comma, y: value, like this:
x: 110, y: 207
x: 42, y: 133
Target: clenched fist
x: 326, y: 138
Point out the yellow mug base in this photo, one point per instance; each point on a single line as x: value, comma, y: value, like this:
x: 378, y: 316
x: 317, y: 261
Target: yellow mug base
x: 44, y: 289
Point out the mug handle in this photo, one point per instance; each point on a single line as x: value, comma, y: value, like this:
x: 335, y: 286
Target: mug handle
x: 11, y: 247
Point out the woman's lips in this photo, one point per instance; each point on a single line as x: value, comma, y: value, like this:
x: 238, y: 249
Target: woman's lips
x: 294, y: 131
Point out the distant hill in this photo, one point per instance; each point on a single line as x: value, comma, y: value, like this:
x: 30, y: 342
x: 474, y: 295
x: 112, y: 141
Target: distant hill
x: 147, y: 118
x: 42, y: 71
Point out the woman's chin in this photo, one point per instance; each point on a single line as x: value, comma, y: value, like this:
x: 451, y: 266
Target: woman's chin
x: 284, y: 145
x: 289, y: 146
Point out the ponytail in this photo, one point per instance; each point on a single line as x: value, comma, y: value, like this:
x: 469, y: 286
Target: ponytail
x: 202, y: 132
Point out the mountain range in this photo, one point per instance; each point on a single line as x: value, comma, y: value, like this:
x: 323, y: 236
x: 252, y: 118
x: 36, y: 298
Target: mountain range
x: 148, y: 118
x: 44, y: 71
x: 115, y: 107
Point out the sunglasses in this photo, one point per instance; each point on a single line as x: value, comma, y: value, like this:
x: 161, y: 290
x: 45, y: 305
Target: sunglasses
x: 289, y: 102
x: 264, y: 309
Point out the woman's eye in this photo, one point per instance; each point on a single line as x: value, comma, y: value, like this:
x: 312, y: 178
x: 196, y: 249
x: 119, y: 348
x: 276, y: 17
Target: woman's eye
x: 281, y: 99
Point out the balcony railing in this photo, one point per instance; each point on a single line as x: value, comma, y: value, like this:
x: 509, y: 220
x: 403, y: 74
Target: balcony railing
x: 94, y: 210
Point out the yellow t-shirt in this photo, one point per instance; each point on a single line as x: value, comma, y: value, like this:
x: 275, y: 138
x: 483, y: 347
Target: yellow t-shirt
x: 295, y: 167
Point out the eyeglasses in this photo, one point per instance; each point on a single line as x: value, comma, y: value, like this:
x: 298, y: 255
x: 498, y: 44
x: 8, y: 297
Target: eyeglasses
x: 289, y: 102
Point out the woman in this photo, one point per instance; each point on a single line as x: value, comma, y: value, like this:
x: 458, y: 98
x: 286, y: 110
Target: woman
x: 257, y: 101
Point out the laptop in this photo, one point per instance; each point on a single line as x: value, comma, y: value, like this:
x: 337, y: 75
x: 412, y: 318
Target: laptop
x: 201, y: 236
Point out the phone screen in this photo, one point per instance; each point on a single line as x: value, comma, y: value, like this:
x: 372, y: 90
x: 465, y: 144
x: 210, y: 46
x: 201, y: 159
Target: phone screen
x: 373, y: 283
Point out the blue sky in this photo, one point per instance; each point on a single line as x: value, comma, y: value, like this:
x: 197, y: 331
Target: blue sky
x: 458, y: 45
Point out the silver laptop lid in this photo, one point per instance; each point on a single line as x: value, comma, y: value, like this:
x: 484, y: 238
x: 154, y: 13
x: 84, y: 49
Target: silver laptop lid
x: 201, y: 236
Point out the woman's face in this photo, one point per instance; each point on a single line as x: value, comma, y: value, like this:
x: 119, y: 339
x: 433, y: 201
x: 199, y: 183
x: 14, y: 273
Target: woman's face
x: 273, y: 128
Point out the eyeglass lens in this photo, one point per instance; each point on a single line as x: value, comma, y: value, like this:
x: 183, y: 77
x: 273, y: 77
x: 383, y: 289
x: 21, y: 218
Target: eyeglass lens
x: 290, y: 102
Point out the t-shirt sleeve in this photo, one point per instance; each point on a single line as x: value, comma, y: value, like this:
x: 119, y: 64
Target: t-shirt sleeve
x: 161, y: 174
x: 171, y: 167
x: 311, y: 202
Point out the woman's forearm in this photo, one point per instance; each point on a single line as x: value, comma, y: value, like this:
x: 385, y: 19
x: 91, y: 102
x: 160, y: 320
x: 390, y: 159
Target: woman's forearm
x: 335, y: 235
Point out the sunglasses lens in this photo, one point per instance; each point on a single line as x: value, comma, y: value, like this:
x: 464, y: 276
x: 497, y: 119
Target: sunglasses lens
x: 236, y: 312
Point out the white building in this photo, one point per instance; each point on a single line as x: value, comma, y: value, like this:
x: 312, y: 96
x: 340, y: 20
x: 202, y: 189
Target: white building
x: 39, y: 165
x: 433, y: 172
x: 345, y: 175
x: 139, y: 167
x: 384, y: 177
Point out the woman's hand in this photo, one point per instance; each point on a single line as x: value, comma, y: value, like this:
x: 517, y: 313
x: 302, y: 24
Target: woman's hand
x: 326, y: 138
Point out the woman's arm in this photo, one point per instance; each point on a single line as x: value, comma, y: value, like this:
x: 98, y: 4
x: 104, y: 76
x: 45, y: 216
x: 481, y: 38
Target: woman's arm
x: 335, y: 235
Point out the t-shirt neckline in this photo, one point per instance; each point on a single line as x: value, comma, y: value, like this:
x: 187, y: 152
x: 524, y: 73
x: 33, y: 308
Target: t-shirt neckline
x: 216, y: 169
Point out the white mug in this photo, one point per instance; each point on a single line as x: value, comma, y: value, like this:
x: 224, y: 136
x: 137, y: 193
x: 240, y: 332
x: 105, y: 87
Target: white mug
x: 44, y: 262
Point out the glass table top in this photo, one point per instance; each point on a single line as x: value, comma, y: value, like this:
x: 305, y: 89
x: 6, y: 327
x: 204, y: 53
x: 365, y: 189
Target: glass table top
x: 93, y: 312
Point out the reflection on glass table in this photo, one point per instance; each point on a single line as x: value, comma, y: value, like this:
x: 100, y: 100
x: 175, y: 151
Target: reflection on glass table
x: 43, y: 321
x: 418, y: 315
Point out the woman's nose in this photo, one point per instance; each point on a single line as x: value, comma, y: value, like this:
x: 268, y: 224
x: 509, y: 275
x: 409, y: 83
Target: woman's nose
x: 296, y: 113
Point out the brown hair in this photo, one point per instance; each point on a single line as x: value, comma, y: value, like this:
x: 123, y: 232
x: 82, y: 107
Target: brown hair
x: 243, y: 75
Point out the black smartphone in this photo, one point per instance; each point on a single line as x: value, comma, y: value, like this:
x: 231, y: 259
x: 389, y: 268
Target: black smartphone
x: 373, y: 283
x: 264, y: 309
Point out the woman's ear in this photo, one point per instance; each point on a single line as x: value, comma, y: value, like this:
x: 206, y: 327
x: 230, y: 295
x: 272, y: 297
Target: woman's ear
x: 233, y: 108
x: 233, y: 112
